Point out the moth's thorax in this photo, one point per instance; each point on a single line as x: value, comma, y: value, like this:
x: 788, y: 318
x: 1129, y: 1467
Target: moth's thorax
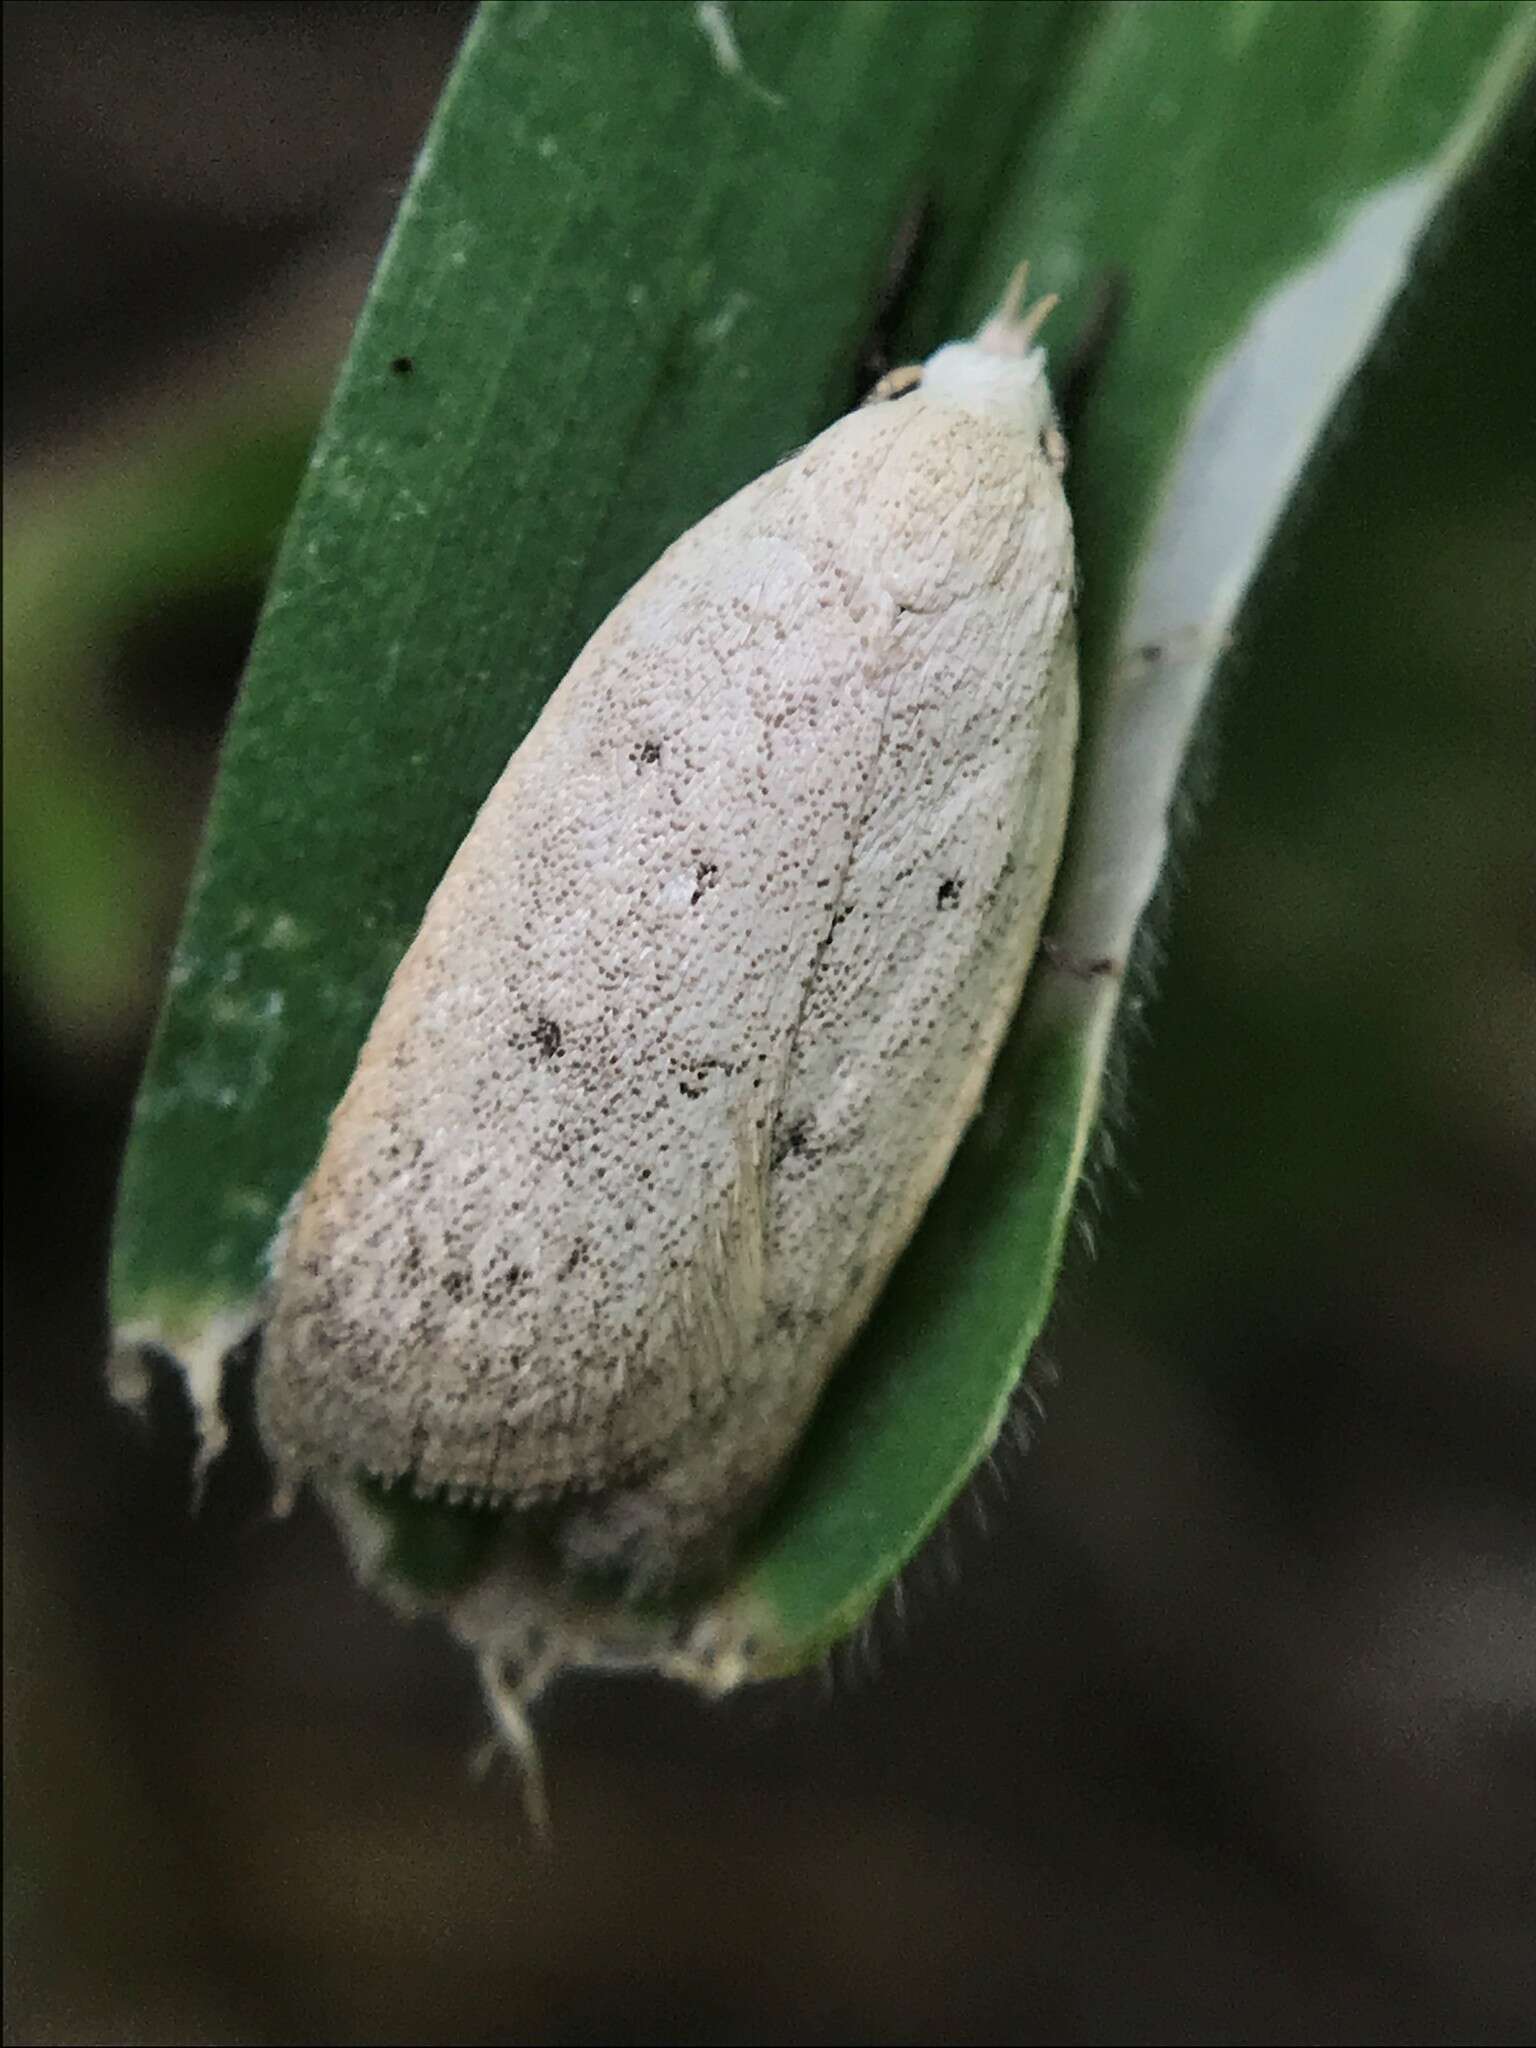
x: 1010, y: 390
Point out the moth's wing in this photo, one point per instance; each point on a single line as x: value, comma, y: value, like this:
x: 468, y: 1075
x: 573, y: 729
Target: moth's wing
x: 530, y: 1257
x: 924, y: 944
x: 953, y: 862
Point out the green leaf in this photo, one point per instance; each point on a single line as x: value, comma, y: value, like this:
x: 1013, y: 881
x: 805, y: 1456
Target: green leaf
x: 633, y: 270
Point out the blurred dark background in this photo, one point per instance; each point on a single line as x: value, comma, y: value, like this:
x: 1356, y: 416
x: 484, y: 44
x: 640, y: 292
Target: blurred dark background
x: 1225, y: 1727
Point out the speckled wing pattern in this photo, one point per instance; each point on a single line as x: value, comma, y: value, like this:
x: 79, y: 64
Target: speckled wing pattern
x: 700, y: 1009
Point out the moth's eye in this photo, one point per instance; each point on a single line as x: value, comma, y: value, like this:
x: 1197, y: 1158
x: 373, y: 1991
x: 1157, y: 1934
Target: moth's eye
x: 895, y: 384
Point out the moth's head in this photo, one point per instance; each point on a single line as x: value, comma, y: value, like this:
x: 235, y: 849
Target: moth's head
x: 1001, y: 374
x: 998, y: 375
x: 1010, y: 390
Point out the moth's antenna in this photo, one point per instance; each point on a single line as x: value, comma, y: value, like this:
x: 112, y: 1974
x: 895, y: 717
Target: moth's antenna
x: 1013, y: 327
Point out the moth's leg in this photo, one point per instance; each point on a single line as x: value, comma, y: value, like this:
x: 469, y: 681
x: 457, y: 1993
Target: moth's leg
x: 509, y: 1693
x: 647, y: 1540
x: 678, y: 1528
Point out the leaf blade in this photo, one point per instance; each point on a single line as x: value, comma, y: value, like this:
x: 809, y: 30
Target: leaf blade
x: 728, y: 369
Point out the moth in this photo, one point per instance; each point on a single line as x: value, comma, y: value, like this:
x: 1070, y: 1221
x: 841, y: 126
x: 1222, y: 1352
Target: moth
x: 698, y: 1014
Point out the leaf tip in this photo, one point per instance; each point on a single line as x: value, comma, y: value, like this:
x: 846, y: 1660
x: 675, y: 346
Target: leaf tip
x: 198, y: 1343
